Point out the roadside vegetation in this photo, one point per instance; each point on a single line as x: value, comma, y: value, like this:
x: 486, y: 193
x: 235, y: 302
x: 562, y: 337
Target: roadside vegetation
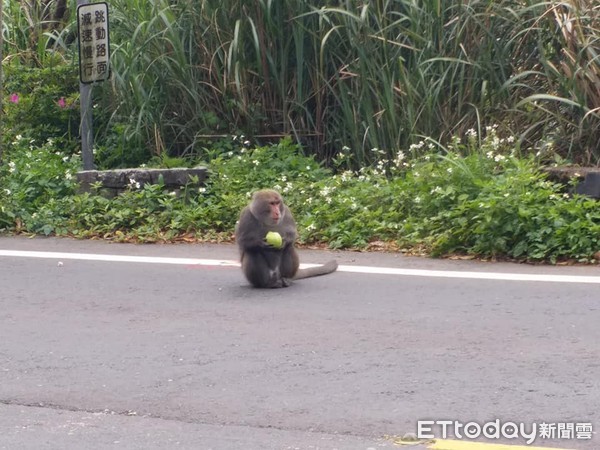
x: 413, y: 126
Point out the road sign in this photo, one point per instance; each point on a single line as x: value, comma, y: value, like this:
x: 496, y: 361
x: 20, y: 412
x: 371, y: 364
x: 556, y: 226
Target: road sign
x: 94, y: 48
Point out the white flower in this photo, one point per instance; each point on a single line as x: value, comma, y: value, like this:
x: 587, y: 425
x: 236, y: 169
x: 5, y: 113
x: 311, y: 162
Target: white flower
x: 346, y: 175
x: 326, y: 191
x: 11, y: 166
x: 134, y: 184
x: 418, y: 146
x: 8, y: 192
x: 256, y: 162
x: 68, y: 175
x: 399, y: 158
x: 202, y: 190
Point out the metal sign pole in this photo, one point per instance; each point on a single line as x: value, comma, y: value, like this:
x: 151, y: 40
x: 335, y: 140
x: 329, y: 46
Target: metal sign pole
x: 87, y: 135
x: 94, y: 66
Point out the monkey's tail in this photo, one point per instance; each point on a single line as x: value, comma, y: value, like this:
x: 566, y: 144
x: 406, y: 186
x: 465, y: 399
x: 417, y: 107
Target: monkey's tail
x: 326, y: 268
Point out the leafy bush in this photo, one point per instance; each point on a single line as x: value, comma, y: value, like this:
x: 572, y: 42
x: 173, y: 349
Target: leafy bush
x: 475, y: 199
x: 34, y: 179
x: 152, y: 213
x: 42, y: 104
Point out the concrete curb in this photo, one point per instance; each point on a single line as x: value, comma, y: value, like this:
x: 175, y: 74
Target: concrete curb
x: 449, y: 444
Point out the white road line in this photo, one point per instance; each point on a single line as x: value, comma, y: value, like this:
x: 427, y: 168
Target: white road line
x: 499, y: 276
x: 118, y: 258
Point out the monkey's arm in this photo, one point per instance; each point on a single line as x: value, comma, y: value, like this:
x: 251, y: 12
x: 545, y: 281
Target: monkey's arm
x: 250, y: 233
x: 287, y: 228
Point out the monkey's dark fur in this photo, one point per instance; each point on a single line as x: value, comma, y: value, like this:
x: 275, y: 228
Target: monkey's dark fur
x: 263, y: 265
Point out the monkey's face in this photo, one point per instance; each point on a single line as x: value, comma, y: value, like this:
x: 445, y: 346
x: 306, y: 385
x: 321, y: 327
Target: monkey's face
x: 267, y: 206
x: 275, y: 209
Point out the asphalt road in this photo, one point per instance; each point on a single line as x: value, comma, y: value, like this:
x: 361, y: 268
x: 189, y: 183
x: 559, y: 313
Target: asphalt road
x: 159, y: 354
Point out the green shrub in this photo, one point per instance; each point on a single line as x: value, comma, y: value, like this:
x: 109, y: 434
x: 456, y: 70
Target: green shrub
x: 152, y: 213
x: 470, y: 199
x: 474, y: 199
x: 42, y: 104
x: 34, y: 178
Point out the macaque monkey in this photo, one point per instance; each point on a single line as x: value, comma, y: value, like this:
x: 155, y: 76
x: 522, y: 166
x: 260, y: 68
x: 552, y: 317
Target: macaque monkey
x: 268, y: 263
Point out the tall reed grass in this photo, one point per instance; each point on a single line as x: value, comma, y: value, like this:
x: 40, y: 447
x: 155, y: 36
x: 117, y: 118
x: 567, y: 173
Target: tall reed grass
x: 368, y: 74
x: 34, y: 31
